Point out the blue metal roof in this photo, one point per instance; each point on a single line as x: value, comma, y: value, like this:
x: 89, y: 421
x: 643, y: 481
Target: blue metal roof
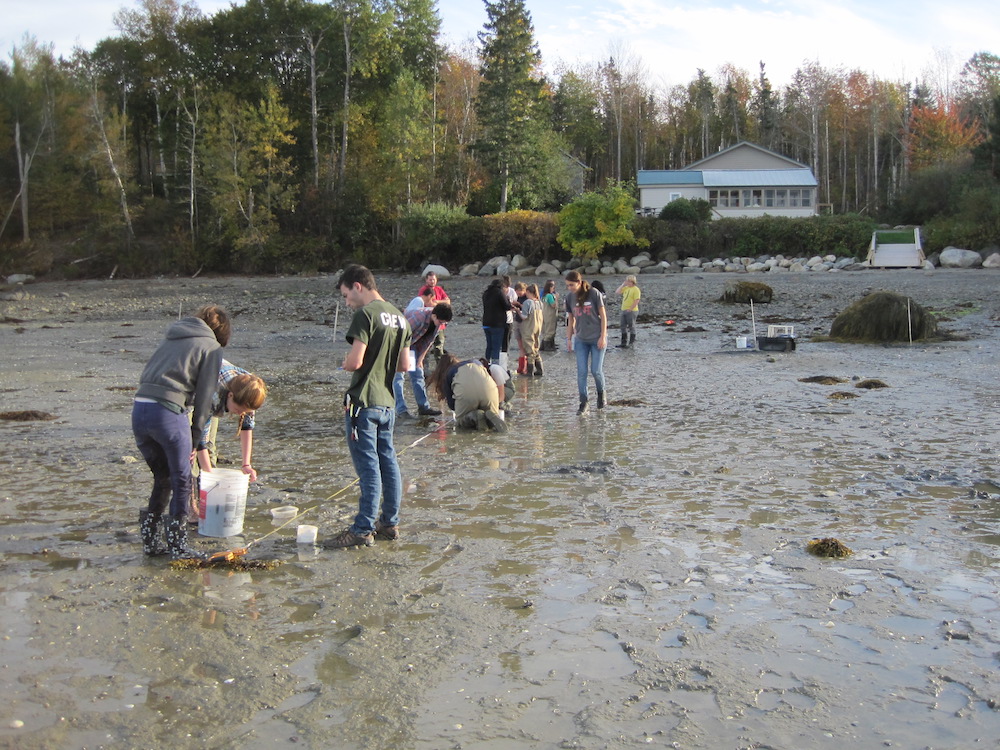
x: 649, y: 177
x: 759, y: 178
x: 734, y: 178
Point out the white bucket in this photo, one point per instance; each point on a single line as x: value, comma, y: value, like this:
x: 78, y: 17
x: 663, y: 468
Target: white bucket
x: 306, y: 534
x: 223, y: 502
x: 742, y: 342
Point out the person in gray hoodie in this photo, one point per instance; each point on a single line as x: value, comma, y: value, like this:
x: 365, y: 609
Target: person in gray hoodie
x: 179, y: 378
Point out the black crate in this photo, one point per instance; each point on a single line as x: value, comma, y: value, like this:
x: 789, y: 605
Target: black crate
x: 775, y: 344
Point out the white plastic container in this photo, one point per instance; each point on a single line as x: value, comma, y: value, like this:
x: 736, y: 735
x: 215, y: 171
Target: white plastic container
x: 306, y: 534
x: 742, y: 342
x: 223, y: 494
x: 283, y: 514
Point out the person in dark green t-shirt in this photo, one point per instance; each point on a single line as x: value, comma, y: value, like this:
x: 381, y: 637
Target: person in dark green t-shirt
x: 380, y: 347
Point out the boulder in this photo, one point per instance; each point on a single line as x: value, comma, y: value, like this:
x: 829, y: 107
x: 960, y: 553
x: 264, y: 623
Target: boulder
x: 519, y: 262
x: 547, y: 269
x: 955, y: 257
x: 993, y: 261
x: 469, y: 269
x: 441, y: 271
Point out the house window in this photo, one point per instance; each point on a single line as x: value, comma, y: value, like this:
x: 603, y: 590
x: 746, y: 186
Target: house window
x: 806, y: 198
x: 752, y: 198
x: 769, y: 198
x: 673, y: 197
x: 793, y: 198
x: 780, y: 198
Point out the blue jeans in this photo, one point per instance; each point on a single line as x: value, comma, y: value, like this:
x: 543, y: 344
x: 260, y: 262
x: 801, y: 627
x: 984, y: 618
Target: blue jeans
x: 494, y: 342
x: 588, y: 350
x: 369, y: 441
x: 164, y: 440
x: 419, y: 390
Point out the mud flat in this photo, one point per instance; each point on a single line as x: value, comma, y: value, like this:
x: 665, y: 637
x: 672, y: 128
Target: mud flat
x: 635, y: 577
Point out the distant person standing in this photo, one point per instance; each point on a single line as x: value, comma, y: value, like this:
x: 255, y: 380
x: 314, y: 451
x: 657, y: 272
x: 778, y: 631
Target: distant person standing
x: 550, y: 316
x: 380, y: 347
x: 431, y: 286
x: 425, y: 322
x: 630, y: 309
x: 587, y: 334
x: 496, y: 307
x: 530, y: 329
x: 511, y: 293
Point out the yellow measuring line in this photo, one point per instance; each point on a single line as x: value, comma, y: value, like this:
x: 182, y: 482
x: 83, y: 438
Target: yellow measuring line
x: 343, y: 489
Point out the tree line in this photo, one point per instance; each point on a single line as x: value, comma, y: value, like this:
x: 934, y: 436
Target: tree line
x: 282, y: 135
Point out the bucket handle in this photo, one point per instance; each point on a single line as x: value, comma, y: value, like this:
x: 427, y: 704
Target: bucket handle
x: 217, y: 483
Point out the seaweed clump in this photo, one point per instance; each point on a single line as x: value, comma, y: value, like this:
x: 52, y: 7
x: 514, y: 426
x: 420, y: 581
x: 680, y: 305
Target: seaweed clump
x: 627, y: 402
x: 743, y: 292
x: 871, y: 384
x: 882, y: 317
x: 823, y: 379
x: 235, y: 563
x: 828, y: 547
x: 27, y: 416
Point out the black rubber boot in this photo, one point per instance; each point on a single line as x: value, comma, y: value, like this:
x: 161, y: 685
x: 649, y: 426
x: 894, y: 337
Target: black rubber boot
x: 624, y: 343
x: 538, y: 368
x: 631, y: 340
x: 149, y: 530
x: 600, y: 399
x: 583, y: 407
x: 177, y: 532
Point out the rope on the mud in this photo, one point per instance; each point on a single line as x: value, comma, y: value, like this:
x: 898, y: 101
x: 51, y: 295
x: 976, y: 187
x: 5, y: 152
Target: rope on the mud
x: 345, y: 488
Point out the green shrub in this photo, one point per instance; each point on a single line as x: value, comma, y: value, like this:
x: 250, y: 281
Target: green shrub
x: 430, y: 232
x: 530, y: 233
x: 975, y: 225
x: 691, y: 210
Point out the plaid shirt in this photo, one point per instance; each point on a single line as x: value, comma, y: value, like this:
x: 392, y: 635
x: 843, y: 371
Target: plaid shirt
x: 219, y: 398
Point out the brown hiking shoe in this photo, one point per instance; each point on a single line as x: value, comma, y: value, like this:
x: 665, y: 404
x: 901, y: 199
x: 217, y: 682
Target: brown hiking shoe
x: 389, y: 533
x: 347, y: 538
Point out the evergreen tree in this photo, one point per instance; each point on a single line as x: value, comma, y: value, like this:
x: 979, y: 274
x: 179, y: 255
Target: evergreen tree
x: 509, y: 92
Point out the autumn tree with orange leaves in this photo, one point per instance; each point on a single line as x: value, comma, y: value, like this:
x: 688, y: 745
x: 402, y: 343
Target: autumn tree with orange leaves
x: 939, y: 135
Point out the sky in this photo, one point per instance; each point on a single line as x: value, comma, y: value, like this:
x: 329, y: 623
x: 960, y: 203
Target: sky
x: 896, y: 40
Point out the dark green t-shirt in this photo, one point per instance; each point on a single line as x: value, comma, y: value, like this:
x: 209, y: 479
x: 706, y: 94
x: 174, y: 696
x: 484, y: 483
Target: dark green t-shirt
x: 385, y: 332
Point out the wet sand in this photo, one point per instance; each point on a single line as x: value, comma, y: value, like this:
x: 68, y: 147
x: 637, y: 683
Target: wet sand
x: 634, y: 577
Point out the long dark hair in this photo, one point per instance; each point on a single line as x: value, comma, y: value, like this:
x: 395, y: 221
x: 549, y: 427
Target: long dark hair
x: 440, y: 374
x: 583, y: 290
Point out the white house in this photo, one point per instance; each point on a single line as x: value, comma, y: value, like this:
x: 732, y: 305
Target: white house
x: 742, y: 180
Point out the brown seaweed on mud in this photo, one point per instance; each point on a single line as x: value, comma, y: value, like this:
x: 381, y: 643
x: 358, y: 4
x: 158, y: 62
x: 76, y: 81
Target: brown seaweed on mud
x: 842, y: 395
x: 626, y: 402
x: 27, y: 416
x: 828, y: 547
x: 871, y: 383
x: 881, y: 317
x: 233, y: 563
x: 823, y: 379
